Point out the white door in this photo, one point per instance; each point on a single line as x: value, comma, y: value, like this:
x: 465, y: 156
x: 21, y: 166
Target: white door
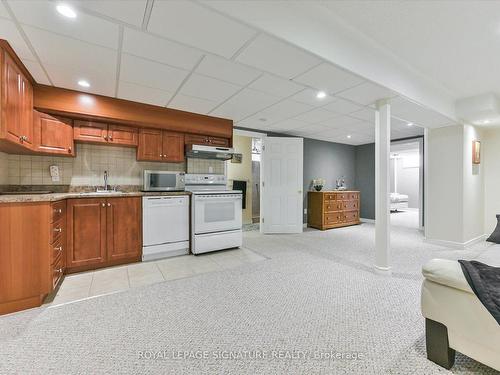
x: 282, y: 185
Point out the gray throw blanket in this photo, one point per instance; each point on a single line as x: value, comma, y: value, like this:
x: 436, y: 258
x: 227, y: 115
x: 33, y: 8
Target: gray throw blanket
x: 484, y: 280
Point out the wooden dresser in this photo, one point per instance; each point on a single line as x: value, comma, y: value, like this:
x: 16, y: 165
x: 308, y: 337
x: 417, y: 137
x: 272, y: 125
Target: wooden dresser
x: 332, y: 209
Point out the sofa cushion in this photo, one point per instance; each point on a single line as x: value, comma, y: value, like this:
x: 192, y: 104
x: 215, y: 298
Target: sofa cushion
x: 446, y: 272
x: 495, y: 236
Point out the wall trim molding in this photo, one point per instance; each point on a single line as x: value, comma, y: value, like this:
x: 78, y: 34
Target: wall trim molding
x: 454, y: 244
x: 363, y: 220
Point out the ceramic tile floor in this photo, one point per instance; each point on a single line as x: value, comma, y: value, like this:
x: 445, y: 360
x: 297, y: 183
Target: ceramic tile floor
x: 114, y: 279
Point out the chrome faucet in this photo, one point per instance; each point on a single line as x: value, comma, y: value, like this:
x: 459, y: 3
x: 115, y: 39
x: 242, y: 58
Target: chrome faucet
x: 106, y: 180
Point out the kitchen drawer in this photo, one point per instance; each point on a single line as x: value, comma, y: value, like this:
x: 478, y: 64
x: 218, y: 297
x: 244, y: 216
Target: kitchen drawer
x: 58, y: 211
x: 334, y: 217
x: 58, y: 231
x: 57, y: 271
x: 57, y: 249
x: 351, y: 205
x: 352, y: 216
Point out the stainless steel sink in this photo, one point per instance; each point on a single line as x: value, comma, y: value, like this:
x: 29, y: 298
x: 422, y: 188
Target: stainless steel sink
x: 101, y: 192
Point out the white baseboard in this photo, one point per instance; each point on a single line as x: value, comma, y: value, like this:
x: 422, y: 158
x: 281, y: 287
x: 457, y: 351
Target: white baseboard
x: 454, y: 244
x: 363, y: 220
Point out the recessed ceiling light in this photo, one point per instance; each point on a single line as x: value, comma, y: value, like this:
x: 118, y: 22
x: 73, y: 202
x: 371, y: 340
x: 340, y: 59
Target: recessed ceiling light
x: 321, y: 95
x: 410, y: 124
x: 349, y: 136
x: 66, y: 11
x: 83, y: 83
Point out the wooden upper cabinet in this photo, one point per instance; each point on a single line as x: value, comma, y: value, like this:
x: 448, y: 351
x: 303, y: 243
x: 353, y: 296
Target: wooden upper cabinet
x: 52, y: 135
x: 206, y: 140
x: 123, y: 135
x: 86, y: 232
x: 98, y: 132
x: 124, y: 227
x: 160, y: 145
x: 150, y: 146
x: 173, y: 147
x: 90, y: 131
x: 17, y: 104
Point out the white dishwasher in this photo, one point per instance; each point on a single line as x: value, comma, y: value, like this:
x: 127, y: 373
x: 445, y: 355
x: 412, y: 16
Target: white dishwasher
x: 165, y: 226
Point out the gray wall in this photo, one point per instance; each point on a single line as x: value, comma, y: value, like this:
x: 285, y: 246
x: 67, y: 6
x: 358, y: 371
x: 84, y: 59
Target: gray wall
x: 365, y: 179
x: 329, y: 161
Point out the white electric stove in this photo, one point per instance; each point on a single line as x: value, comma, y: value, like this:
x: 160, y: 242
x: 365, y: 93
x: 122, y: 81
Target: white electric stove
x: 216, y: 214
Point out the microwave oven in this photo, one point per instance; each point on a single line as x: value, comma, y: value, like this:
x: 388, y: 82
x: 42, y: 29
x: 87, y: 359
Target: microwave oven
x: 163, y: 181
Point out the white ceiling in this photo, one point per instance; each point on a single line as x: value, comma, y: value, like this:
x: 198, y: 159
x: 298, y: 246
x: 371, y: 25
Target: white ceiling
x: 183, y: 55
x: 452, y: 42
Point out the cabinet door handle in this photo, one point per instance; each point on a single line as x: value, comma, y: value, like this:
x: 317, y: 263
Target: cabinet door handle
x: 105, y: 137
x: 110, y: 137
x: 58, y: 248
x: 69, y: 149
x: 58, y: 230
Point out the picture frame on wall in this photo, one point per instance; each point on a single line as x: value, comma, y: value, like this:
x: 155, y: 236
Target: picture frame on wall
x: 476, y: 152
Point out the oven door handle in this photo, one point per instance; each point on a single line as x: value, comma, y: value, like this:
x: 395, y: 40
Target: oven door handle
x: 213, y: 197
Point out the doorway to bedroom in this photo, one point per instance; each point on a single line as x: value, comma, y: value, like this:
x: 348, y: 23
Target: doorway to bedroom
x: 406, y: 182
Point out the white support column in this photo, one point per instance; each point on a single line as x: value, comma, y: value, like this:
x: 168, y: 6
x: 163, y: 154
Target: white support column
x: 382, y: 185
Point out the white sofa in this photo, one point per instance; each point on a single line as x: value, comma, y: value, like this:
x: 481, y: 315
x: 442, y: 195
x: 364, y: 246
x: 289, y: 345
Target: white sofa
x: 455, y: 318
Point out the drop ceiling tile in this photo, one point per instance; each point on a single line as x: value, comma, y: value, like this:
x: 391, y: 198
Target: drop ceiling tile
x: 397, y: 123
x: 329, y: 78
x: 226, y: 70
x: 340, y: 122
x: 67, y: 76
x: 283, y: 110
x: 274, y: 56
x: 287, y: 125
x: 367, y: 114
x: 308, y: 96
x: 9, y: 32
x: 131, y: 12
x: 276, y: 86
x: 312, y: 129
x: 366, y: 93
x: 342, y: 106
x: 208, y: 88
x: 316, y: 115
x: 43, y: 15
x: 64, y: 51
x: 157, y: 49
x: 412, y: 112
x: 3, y: 12
x: 192, y: 104
x: 143, y: 94
x: 243, y: 104
x: 36, y: 71
x: 193, y: 24
x: 151, y: 74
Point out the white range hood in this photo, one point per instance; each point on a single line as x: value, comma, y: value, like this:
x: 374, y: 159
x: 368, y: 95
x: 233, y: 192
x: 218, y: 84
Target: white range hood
x: 209, y: 152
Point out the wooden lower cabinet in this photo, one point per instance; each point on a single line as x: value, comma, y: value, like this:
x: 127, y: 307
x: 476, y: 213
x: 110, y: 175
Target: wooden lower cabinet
x: 327, y: 209
x: 124, y: 228
x: 25, y: 259
x: 103, y: 232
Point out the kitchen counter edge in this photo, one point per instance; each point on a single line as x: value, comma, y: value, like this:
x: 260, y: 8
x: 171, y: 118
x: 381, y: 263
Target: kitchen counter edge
x: 54, y: 197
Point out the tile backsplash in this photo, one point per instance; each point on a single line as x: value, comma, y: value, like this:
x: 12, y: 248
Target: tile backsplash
x: 4, y: 168
x: 88, y: 167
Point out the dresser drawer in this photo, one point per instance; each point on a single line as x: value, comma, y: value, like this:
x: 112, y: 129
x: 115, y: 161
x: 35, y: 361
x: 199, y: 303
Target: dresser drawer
x: 351, y: 205
x: 329, y: 197
x: 58, y: 211
x: 330, y: 206
x: 341, y: 196
x: 351, y: 216
x: 352, y: 196
x: 333, y: 217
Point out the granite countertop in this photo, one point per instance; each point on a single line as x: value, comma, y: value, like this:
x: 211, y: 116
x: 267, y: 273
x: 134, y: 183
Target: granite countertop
x: 52, y: 197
